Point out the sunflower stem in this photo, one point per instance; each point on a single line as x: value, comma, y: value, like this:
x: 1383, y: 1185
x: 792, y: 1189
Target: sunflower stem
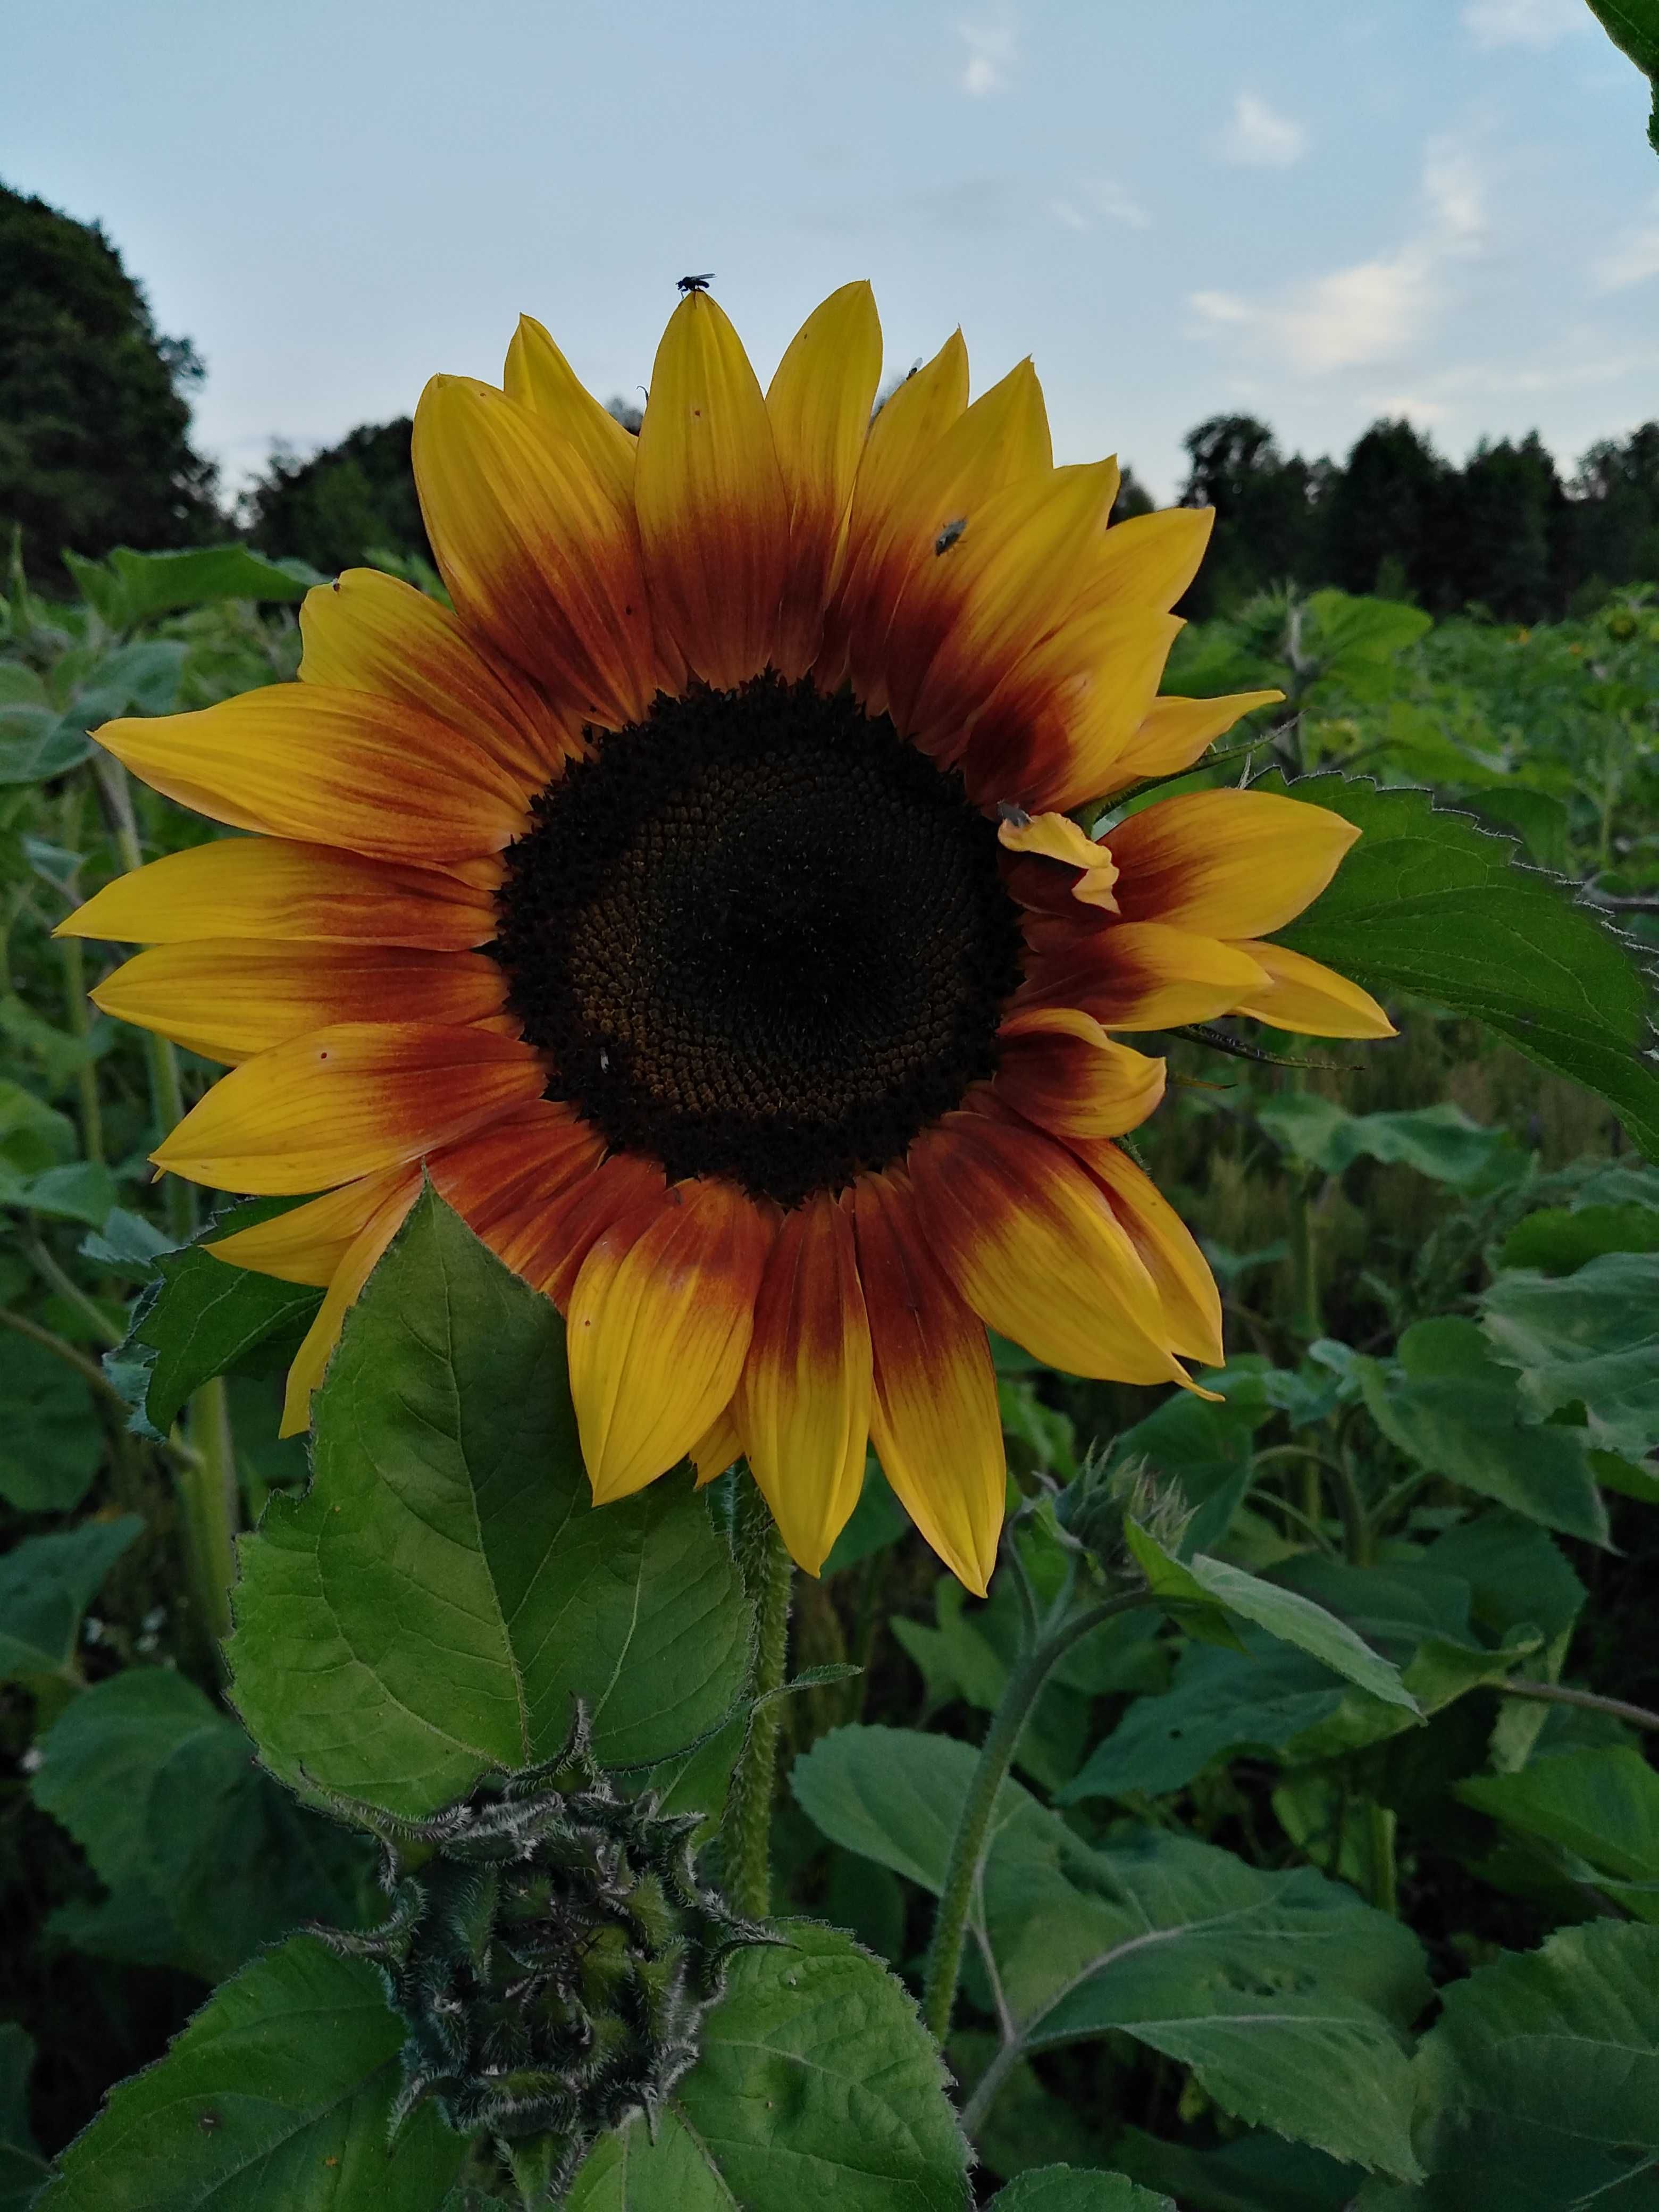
x: 968, y: 1847
x: 746, y: 1836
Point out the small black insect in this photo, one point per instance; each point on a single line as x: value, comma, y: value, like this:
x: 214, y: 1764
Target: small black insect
x: 948, y: 537
x: 695, y: 283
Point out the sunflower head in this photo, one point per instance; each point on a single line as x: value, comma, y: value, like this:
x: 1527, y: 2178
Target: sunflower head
x: 551, y: 1951
x: 701, y: 900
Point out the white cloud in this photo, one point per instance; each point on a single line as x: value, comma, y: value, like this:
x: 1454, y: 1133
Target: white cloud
x: 1103, y: 201
x: 1260, y: 138
x: 1536, y: 23
x: 993, y: 49
x: 1375, y: 310
x: 1631, y: 258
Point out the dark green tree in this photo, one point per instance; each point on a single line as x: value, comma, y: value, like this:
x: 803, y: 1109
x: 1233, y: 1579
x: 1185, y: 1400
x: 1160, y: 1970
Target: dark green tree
x: 1383, y: 514
x: 94, y: 450
x: 1502, y: 538
x: 1613, y: 516
x: 345, y: 504
x: 1266, y: 512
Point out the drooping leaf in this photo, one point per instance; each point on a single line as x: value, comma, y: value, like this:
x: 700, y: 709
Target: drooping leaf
x: 1221, y: 1702
x: 1431, y: 903
x: 1602, y: 1806
x: 204, y: 1857
x: 445, y: 1589
x: 1452, y: 1410
x: 46, y: 1583
x: 816, y: 2083
x: 130, y: 588
x: 277, y: 2098
x: 1198, y: 1590
x: 1538, y: 2088
x: 1591, y: 1338
x: 1074, y: 2189
x: 52, y: 1441
x: 1284, y: 1993
x: 1440, y: 1141
x: 1557, y: 1240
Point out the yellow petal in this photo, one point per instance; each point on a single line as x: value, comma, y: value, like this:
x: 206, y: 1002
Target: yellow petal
x: 332, y: 767
x: 1030, y: 1243
x: 717, y: 1448
x: 1002, y: 439
x: 803, y: 1402
x: 1312, y: 1000
x: 1057, y: 837
x: 1176, y: 732
x: 369, y: 632
x: 659, y: 1325
x: 819, y: 404
x: 933, y: 1416
x: 308, y: 1244
x: 1229, y: 863
x: 1144, y: 976
x: 540, y: 377
x: 1051, y: 735
x: 1192, y: 1304
x: 229, y: 998
x: 539, y: 558
x: 264, y: 887
x: 1149, y: 561
x: 358, y: 1264
x: 1061, y: 1070
x: 713, y: 510
x: 346, y: 1101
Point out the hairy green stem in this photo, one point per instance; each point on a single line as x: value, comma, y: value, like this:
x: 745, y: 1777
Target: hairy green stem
x: 746, y: 1834
x: 88, y: 1369
x: 1020, y: 1693
x: 1557, y: 1693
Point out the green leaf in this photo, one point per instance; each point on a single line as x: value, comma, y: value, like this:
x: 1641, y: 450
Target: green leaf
x: 1255, y: 2172
x: 1634, y: 26
x: 1451, y: 1408
x: 1431, y: 903
x: 46, y: 1583
x: 35, y: 743
x: 1206, y: 1447
x: 22, y: 2169
x: 204, y: 1857
x: 82, y: 1191
x: 1557, y: 1240
x: 817, y: 2084
x: 1589, y: 1338
x: 130, y: 588
x: 1602, y: 1806
x: 1538, y: 2089
x: 1439, y: 1141
x: 445, y: 1589
x: 1072, y: 2189
x: 1204, y: 1587
x: 277, y: 2098
x: 1221, y: 1702
x: 51, y: 1443
x: 1287, y: 1996
x: 1516, y: 1574
x: 201, y: 1317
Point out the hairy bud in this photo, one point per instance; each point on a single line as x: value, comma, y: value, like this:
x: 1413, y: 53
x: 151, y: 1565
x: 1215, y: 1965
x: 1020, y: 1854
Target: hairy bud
x: 551, y: 1952
x: 1094, y: 1507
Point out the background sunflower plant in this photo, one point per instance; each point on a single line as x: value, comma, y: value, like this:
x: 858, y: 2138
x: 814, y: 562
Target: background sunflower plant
x: 717, y: 1009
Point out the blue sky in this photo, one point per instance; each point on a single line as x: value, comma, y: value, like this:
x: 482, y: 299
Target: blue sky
x: 1316, y: 210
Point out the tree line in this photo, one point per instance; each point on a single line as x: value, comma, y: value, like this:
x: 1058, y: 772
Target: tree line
x: 96, y: 452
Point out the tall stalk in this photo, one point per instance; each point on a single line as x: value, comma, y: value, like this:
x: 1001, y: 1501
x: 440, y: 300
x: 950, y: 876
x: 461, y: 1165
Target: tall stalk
x: 746, y: 1831
x: 1045, y: 1646
x: 207, y: 1483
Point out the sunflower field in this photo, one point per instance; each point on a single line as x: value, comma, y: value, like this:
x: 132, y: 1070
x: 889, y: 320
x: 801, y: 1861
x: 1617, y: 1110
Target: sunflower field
x: 763, y: 1683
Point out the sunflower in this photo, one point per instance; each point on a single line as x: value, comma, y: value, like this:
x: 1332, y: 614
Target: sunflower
x: 700, y: 905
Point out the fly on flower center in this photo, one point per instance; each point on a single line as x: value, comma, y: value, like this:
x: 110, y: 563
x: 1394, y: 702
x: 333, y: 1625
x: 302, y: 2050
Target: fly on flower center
x: 758, y: 935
